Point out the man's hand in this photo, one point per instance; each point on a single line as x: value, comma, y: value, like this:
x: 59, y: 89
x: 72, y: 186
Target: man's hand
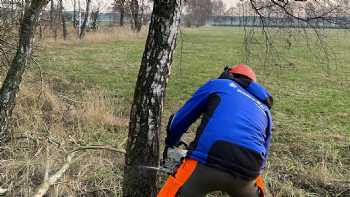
x: 165, y: 155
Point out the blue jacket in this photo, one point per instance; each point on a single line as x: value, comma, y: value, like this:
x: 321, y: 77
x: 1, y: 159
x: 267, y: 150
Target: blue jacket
x: 235, y: 131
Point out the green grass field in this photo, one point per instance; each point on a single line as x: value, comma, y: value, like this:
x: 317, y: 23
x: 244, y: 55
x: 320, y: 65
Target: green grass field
x: 311, y: 142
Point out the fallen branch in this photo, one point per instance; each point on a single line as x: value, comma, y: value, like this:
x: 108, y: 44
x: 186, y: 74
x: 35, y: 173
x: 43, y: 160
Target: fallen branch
x: 51, y: 180
x: 70, y: 99
x: 125, y: 140
x: 99, y: 147
x: 2, y: 191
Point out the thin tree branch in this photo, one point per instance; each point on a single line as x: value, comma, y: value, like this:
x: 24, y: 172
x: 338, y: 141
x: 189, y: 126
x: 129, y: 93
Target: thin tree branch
x: 49, y: 181
x: 70, y: 158
x: 3, y: 191
x: 307, y: 20
x: 99, y: 147
x: 5, y: 55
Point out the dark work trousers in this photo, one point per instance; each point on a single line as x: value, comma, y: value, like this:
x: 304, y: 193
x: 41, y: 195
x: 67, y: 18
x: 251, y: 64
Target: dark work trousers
x: 193, y: 179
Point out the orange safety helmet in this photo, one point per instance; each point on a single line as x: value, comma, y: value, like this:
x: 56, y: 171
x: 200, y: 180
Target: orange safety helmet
x: 244, y: 70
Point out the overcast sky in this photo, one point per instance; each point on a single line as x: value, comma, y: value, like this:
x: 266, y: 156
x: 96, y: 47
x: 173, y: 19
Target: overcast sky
x: 230, y: 3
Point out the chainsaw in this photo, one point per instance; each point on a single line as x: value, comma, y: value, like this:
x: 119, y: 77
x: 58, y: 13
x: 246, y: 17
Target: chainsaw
x: 172, y: 157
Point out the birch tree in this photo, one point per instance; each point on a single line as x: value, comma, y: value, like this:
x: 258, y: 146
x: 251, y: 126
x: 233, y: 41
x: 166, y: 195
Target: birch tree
x: 86, y: 18
x: 10, y: 87
x: 146, y: 110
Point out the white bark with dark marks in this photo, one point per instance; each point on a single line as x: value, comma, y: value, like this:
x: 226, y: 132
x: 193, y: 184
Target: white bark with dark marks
x: 147, y: 107
x: 10, y: 87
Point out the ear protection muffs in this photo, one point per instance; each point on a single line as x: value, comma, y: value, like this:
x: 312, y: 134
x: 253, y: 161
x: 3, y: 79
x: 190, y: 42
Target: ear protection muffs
x: 269, y: 102
x: 226, y: 74
x: 244, y: 82
x: 240, y: 79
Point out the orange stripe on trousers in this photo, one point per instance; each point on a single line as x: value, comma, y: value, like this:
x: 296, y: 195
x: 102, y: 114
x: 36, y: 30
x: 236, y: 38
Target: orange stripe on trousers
x: 260, y: 183
x: 174, y: 183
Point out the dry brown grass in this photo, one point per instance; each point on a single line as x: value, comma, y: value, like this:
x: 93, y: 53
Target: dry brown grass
x: 62, y: 116
x: 55, y: 117
x: 47, y: 125
x: 104, y: 35
x: 308, y: 166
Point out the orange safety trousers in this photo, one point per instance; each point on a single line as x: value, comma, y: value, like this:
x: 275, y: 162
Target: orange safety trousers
x: 174, y: 183
x: 260, y: 184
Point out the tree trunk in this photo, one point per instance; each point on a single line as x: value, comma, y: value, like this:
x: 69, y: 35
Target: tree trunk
x: 94, y: 16
x: 86, y: 17
x: 74, y: 14
x: 120, y: 5
x: 79, y: 20
x: 142, y: 10
x: 52, y: 8
x: 54, y: 18
x: 13, y: 78
x: 136, y: 18
x: 146, y: 111
x: 63, y: 20
x: 122, y: 13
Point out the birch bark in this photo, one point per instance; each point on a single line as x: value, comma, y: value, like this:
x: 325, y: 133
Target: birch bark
x: 10, y: 87
x: 146, y: 111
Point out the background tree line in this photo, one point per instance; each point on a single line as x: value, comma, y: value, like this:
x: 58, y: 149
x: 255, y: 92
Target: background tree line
x: 197, y: 12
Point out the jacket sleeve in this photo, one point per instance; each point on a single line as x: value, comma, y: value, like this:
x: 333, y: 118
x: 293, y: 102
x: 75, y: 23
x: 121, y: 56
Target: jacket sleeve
x: 268, y: 137
x: 182, y: 120
x: 261, y: 93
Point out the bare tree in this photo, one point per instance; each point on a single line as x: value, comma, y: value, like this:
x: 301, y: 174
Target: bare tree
x: 95, y: 12
x: 54, y: 18
x: 121, y: 5
x: 13, y: 78
x: 146, y: 111
x: 74, y: 14
x: 317, y: 10
x: 86, y: 17
x: 218, y: 8
x: 199, y: 11
x: 273, y: 17
x: 52, y: 14
x: 63, y: 20
x: 136, y: 16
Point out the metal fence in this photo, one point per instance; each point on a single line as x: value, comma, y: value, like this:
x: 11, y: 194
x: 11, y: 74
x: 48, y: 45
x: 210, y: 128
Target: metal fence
x: 256, y: 21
